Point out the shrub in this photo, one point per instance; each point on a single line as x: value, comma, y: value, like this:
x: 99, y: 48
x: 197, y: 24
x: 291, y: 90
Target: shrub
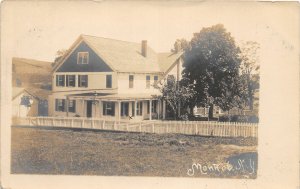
x: 239, y: 118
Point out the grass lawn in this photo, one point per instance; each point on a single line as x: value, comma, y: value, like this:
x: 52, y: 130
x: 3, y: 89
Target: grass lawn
x: 86, y: 152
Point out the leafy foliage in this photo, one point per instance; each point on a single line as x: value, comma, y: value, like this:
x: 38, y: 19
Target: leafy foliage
x: 180, y: 44
x: 211, y: 64
x: 176, y: 95
x: 250, y: 68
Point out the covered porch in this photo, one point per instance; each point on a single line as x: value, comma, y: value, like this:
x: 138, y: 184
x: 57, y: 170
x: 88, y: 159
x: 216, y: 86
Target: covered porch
x: 135, y: 107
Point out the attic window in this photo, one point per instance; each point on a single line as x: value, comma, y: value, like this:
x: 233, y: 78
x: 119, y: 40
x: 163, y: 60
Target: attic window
x: 83, y: 58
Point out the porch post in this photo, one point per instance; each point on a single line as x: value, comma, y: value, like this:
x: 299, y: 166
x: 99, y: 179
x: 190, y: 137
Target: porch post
x: 119, y: 104
x: 164, y: 109
x: 158, y: 108
x: 135, y: 105
x: 150, y: 109
x: 100, y: 108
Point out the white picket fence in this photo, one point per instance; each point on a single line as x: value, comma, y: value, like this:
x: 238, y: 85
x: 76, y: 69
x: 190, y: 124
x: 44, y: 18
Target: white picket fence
x: 204, y: 128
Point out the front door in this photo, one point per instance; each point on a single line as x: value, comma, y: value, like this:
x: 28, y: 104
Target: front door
x: 89, y: 105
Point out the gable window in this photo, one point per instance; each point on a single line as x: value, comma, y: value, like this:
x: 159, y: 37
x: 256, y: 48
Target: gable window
x: 60, y: 105
x: 147, y: 81
x: 82, y: 81
x: 60, y: 80
x: 108, y: 81
x: 139, y: 108
x: 70, y: 80
x: 131, y: 80
x: 109, y: 108
x: 72, y: 106
x: 82, y: 58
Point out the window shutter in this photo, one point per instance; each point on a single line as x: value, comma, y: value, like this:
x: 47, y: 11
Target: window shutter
x: 74, y: 105
x: 56, y: 104
x: 79, y: 81
x: 63, y: 104
x: 64, y: 76
x: 87, y: 81
x: 67, y: 82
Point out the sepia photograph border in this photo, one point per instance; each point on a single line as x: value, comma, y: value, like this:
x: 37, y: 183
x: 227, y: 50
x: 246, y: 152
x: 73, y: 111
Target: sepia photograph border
x: 278, y: 133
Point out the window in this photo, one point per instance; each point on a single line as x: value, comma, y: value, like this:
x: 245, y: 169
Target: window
x: 124, y: 108
x: 70, y: 80
x: 131, y: 78
x: 153, y: 106
x: 72, y: 106
x: 60, y: 80
x: 155, y: 79
x: 109, y: 108
x: 83, y: 58
x: 60, y: 105
x: 147, y: 81
x: 26, y: 101
x: 108, y: 81
x: 139, y: 108
x: 82, y: 81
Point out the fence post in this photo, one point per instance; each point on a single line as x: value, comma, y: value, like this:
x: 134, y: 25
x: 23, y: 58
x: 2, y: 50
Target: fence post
x: 82, y: 125
x: 72, y: 122
x: 127, y: 128
x: 196, y: 128
x: 114, y: 126
x: 93, y: 123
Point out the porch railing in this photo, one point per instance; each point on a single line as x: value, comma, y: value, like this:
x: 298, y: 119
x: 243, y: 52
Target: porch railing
x: 204, y: 128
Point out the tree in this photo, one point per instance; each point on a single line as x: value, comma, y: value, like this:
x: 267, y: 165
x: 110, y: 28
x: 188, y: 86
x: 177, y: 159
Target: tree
x: 250, y: 68
x: 211, y: 63
x: 175, y: 95
x: 58, y: 55
x: 180, y: 44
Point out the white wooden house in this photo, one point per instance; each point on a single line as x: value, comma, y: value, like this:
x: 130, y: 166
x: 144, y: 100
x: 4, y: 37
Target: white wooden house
x: 100, y: 77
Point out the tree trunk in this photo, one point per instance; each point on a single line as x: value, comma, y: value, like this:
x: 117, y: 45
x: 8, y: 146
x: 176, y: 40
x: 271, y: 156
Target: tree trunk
x: 211, y: 111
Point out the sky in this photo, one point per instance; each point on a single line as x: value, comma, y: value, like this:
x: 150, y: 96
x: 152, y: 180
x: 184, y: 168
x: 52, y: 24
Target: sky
x: 37, y: 30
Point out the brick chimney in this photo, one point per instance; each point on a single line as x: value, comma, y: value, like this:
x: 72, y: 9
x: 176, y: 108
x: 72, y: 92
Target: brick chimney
x: 144, y: 48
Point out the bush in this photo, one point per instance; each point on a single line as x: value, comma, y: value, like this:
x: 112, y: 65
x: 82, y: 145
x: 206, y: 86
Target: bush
x: 239, y: 118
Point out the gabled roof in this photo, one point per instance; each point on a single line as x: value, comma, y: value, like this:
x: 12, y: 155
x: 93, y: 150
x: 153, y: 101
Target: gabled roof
x: 40, y: 94
x: 167, y: 59
x: 16, y: 91
x: 123, y: 56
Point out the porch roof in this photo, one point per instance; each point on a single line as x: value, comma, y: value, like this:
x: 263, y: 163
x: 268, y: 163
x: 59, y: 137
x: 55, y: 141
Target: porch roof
x: 115, y: 97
